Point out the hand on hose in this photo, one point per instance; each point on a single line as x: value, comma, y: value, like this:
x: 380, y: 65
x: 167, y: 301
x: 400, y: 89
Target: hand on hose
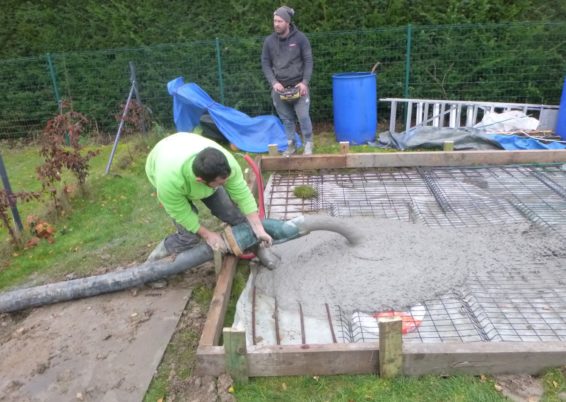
x: 259, y: 231
x: 215, y: 241
x: 261, y: 234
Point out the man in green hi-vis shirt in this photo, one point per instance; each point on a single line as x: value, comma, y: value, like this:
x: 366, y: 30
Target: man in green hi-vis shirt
x: 185, y: 167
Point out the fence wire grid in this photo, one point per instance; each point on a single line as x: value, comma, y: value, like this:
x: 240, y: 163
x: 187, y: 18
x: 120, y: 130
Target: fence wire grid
x: 490, y: 62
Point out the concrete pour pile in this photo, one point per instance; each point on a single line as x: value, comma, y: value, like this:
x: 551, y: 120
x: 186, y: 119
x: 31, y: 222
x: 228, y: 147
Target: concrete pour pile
x: 397, y: 263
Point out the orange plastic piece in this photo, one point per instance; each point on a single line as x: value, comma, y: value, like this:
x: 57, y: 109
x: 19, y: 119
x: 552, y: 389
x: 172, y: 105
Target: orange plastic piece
x: 408, y: 322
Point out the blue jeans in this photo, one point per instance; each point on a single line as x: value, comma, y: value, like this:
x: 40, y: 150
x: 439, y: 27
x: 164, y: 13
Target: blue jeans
x: 220, y: 205
x: 291, y: 111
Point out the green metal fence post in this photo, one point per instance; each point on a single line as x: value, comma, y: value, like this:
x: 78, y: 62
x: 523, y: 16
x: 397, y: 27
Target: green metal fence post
x: 53, y: 78
x: 11, y: 199
x: 408, y: 60
x: 219, y: 66
x: 56, y: 91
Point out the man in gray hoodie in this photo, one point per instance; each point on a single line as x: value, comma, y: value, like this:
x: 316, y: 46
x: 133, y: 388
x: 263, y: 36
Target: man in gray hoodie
x: 286, y: 61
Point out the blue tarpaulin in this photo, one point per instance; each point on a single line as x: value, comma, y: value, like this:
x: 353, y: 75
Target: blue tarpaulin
x: 515, y: 142
x: 250, y: 134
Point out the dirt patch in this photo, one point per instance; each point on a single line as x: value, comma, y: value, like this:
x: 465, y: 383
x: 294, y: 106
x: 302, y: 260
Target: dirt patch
x: 106, y: 347
x: 520, y: 388
x: 202, y: 389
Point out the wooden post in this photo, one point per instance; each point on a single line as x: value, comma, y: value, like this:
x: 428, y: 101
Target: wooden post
x: 273, y: 150
x: 390, y: 347
x: 215, y: 318
x: 448, y: 146
x: 236, y: 354
x: 217, y: 261
x: 344, y: 147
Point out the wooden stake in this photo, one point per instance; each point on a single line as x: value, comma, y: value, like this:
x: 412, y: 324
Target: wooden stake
x: 215, y: 318
x: 217, y: 261
x: 273, y: 150
x: 344, y: 147
x: 390, y: 347
x: 236, y: 354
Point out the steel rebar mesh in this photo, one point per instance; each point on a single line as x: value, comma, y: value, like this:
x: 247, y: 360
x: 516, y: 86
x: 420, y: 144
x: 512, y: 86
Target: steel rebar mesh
x: 518, y: 304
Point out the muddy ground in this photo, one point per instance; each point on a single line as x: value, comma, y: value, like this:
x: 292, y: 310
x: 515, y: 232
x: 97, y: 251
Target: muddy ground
x: 108, y: 348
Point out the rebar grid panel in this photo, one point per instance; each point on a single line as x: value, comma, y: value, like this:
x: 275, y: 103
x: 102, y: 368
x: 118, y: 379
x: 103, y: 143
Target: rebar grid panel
x: 525, y: 305
x: 455, y: 197
x: 516, y: 304
x: 446, y: 319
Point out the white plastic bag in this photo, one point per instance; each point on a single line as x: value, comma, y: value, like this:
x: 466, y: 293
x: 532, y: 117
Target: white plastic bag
x: 512, y: 120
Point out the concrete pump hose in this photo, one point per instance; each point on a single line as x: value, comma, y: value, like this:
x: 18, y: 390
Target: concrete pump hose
x: 150, y: 271
x: 21, y: 299
x: 309, y: 223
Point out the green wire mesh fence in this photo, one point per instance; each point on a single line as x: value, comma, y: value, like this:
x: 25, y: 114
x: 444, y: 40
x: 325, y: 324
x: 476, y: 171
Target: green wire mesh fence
x: 519, y: 62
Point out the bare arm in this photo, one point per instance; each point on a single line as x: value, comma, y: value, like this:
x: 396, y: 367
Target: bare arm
x: 258, y: 229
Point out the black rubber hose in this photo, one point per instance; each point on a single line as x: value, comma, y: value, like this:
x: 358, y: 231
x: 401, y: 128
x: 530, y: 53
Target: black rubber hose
x: 150, y: 271
x: 21, y: 299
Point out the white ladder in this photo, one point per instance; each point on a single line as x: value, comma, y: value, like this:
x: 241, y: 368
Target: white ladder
x: 456, y: 114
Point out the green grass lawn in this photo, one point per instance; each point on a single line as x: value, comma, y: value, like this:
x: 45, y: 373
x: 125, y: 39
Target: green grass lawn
x: 115, y: 222
x: 118, y: 221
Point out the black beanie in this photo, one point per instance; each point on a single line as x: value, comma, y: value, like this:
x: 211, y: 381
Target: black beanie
x: 285, y: 13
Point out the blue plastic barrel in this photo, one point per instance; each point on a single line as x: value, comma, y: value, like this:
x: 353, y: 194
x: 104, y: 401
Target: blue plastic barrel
x: 561, y: 122
x: 354, y: 97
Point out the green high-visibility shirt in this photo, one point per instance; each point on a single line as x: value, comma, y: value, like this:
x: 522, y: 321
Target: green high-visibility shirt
x: 169, y: 167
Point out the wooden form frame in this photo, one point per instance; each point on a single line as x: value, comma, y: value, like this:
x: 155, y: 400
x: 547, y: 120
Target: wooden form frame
x: 363, y: 358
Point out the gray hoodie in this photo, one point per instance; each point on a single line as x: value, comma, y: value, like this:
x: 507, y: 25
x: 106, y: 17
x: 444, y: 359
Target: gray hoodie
x: 287, y: 60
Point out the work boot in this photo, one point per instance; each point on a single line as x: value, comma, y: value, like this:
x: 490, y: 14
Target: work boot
x: 308, y: 148
x: 290, y: 148
x: 158, y: 252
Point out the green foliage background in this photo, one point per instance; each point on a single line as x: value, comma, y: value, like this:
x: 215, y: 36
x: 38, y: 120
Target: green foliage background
x: 31, y: 28
x: 465, y: 50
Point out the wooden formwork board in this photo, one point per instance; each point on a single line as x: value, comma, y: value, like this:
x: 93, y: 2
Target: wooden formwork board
x: 412, y: 159
x: 418, y: 358
x: 363, y: 358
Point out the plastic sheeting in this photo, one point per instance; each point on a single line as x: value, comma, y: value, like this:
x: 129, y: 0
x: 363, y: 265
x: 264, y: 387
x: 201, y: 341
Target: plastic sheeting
x: 433, y: 137
x: 511, y: 120
x: 288, y: 331
x: 464, y: 138
x: 250, y: 134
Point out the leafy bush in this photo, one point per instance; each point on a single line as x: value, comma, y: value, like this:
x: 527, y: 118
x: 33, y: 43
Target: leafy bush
x: 66, y: 127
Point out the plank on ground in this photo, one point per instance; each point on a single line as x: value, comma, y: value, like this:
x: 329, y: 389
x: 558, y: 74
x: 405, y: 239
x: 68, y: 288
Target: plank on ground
x: 215, y: 317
